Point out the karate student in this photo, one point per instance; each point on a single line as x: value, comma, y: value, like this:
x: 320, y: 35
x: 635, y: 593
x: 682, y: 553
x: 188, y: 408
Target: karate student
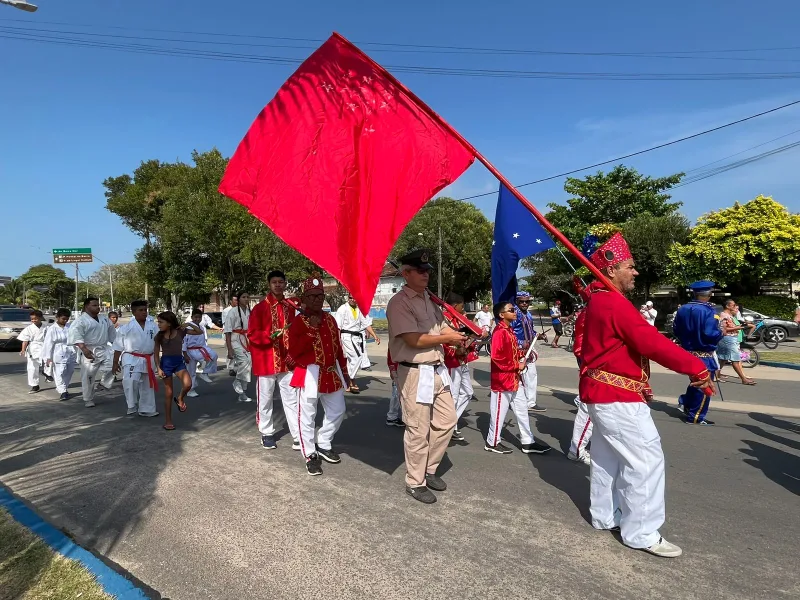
x: 205, y: 324
x: 32, y: 338
x: 235, y: 329
x: 457, y: 359
x: 91, y: 333
x: 506, y: 371
x: 113, y: 316
x: 355, y: 328
x: 134, y: 346
x: 319, y: 375
x: 58, y: 354
x: 197, y: 350
x: 234, y: 303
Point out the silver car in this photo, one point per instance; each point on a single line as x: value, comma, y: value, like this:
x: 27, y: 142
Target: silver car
x: 12, y: 322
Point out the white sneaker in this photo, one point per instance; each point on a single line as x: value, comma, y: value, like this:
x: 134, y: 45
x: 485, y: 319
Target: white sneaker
x: 204, y: 377
x: 584, y: 457
x: 89, y: 404
x: 237, y: 387
x: 664, y: 549
x: 132, y: 411
x: 295, y: 444
x: 244, y: 398
x: 192, y: 394
x: 149, y: 414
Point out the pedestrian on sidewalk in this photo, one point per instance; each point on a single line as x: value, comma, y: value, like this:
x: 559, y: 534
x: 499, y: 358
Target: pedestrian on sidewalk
x: 32, y: 338
x: 526, y: 336
x: 485, y: 320
x: 729, y: 349
x: 457, y: 359
x: 168, y: 350
x: 91, y: 333
x: 627, y: 474
x: 58, y: 354
x: 197, y: 352
x: 508, y: 365
x: 555, y: 318
x: 235, y: 328
x: 133, y: 357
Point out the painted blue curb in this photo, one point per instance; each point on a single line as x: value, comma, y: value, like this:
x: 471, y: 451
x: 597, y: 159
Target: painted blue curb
x: 112, y: 582
x: 781, y: 365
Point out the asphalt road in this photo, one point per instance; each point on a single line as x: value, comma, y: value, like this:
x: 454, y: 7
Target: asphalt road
x: 205, y: 512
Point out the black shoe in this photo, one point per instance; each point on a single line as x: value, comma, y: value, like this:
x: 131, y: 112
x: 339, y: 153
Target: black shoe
x: 34, y: 390
x: 329, y: 456
x: 395, y: 423
x: 435, y: 482
x: 535, y: 448
x: 268, y: 441
x: 231, y: 372
x: 499, y: 449
x: 703, y: 422
x: 48, y: 379
x: 314, y: 465
x: 64, y: 396
x: 537, y: 409
x: 421, y: 493
x: 457, y: 436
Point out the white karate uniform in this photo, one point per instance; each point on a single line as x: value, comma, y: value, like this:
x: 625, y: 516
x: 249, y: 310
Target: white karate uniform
x: 308, y: 399
x: 499, y: 403
x: 63, y: 355
x: 229, y: 359
x: 353, y: 345
x: 35, y: 337
x: 461, y: 389
x: 238, y: 318
x: 95, y: 334
x: 140, y: 395
x: 581, y: 429
x: 627, y: 472
x: 192, y: 345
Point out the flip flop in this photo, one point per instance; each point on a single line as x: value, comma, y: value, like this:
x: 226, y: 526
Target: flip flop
x: 749, y: 382
x: 355, y: 389
x: 179, y: 405
x: 169, y: 427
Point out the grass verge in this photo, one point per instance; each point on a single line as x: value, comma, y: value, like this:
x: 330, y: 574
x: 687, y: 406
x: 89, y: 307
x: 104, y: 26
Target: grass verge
x: 30, y: 570
x: 784, y: 357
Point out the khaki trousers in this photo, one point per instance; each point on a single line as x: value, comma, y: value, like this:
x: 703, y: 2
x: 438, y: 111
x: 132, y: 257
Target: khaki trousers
x: 429, y: 427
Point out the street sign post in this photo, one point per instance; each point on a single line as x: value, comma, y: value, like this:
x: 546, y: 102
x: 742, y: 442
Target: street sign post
x: 73, y: 256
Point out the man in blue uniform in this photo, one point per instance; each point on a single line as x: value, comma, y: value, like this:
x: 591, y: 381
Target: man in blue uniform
x: 526, y: 334
x: 697, y: 328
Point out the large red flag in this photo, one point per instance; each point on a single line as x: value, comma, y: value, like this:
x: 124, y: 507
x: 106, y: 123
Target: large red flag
x: 339, y: 162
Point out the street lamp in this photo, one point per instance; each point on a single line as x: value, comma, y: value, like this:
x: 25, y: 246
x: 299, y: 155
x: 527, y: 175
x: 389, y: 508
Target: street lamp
x: 21, y: 4
x: 110, y: 279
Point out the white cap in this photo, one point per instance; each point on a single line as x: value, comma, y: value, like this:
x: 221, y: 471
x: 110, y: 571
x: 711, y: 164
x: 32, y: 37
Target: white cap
x: 648, y: 303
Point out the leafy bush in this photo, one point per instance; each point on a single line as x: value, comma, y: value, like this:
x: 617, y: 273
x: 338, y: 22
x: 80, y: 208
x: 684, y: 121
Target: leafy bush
x: 781, y: 307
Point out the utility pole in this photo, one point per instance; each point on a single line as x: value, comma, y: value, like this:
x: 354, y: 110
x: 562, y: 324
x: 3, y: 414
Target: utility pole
x: 439, y: 277
x: 76, y: 289
x: 145, y: 290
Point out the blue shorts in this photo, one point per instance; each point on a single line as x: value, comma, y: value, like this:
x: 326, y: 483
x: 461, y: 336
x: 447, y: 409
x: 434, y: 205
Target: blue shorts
x: 172, y: 364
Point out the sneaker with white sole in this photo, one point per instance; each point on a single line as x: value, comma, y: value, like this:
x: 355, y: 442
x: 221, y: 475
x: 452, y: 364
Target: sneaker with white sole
x: 314, y: 465
x: 89, y: 404
x: 295, y: 444
x: 245, y: 398
x: 535, y: 448
x: 458, y: 436
x: 498, y: 449
x: 204, y: 377
x: 149, y: 414
x: 584, y: 457
x: 664, y: 549
x: 192, y: 394
x: 132, y: 411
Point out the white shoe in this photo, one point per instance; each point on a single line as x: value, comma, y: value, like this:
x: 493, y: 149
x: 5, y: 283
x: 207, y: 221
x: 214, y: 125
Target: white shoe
x: 192, y: 394
x: 204, y: 377
x: 237, y: 387
x: 89, y: 404
x: 295, y: 444
x: 244, y: 398
x: 584, y: 457
x: 664, y: 549
x: 132, y: 411
x: 149, y: 414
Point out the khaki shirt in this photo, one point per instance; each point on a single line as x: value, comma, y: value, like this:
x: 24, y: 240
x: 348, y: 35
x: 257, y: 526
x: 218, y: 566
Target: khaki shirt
x: 412, y: 312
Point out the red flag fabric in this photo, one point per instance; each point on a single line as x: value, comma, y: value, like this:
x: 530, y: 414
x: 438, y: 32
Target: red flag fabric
x: 339, y: 162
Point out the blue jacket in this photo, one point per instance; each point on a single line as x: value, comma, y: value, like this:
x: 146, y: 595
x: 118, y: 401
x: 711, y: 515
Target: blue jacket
x: 696, y: 326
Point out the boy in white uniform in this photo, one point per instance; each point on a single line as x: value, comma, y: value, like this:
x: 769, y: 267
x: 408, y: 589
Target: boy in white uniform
x: 229, y: 361
x: 134, y: 345
x: 32, y: 338
x: 58, y: 354
x: 196, y: 350
x: 235, y: 330
x: 91, y: 333
x: 354, y: 328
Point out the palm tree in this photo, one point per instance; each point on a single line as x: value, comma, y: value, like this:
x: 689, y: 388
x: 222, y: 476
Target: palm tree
x: 12, y: 291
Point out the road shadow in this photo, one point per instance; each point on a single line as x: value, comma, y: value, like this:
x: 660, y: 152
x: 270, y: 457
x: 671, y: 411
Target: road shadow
x: 667, y: 409
x: 777, y: 465
x: 789, y: 426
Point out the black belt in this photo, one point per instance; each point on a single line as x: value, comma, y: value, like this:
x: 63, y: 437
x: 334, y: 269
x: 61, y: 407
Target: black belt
x: 358, y: 333
x: 411, y: 365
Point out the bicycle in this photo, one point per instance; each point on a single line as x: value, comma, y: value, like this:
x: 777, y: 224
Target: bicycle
x: 762, y: 335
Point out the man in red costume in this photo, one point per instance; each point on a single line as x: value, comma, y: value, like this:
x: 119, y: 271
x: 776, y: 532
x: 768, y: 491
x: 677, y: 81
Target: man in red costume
x: 269, y: 321
x: 315, y: 354
x: 627, y: 473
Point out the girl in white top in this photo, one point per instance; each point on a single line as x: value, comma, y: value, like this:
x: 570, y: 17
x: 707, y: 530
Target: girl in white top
x: 58, y: 354
x: 235, y: 330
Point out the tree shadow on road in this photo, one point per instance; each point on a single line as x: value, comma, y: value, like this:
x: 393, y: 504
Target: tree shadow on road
x: 777, y: 464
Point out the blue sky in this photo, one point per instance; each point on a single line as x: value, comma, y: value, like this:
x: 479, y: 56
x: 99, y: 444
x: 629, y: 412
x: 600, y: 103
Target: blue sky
x: 72, y: 116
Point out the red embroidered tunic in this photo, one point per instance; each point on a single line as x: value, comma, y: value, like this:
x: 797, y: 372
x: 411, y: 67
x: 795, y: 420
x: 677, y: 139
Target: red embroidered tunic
x: 506, y: 357
x: 451, y: 361
x: 268, y: 352
x: 317, y: 345
x: 617, y: 343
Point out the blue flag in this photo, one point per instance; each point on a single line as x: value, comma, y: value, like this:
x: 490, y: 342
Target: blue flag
x: 517, y: 234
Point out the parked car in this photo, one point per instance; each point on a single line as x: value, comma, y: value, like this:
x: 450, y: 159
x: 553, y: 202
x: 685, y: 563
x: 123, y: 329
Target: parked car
x: 779, y: 329
x: 12, y: 322
x: 216, y: 318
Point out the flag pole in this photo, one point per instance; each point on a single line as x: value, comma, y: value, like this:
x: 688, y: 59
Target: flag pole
x: 560, y: 237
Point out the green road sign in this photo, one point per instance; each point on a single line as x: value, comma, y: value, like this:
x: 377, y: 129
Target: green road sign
x: 72, y: 250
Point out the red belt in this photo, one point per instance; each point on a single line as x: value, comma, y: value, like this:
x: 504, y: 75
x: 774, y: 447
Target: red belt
x: 203, y: 351
x: 243, y: 332
x: 150, y: 373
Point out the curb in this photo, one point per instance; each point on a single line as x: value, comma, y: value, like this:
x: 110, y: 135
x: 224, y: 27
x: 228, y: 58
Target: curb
x: 112, y: 582
x: 780, y: 365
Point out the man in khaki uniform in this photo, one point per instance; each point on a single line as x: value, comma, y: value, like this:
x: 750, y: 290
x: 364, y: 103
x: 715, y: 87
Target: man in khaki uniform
x: 417, y: 331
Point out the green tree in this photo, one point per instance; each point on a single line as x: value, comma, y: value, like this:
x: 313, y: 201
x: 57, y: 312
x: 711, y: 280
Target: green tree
x: 12, y: 292
x: 466, y: 244
x: 742, y: 247
x: 52, y: 284
x: 127, y: 279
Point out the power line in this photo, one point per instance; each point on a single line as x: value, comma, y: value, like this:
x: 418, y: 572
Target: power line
x: 742, y: 152
x: 659, y: 146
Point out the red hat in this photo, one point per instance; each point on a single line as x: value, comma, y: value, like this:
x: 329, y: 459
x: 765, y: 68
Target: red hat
x: 312, y: 283
x: 613, y: 252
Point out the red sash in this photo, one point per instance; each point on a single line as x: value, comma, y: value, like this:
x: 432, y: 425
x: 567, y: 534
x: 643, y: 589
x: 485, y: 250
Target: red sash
x: 243, y: 332
x: 151, y: 375
x: 203, y: 351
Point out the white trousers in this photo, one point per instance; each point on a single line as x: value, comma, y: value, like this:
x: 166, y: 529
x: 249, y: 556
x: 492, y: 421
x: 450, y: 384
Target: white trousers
x: 334, y: 407
x: 195, y: 358
x: 499, y: 403
x: 62, y: 374
x: 395, y: 409
x: 265, y: 388
x: 138, y: 394
x: 89, y: 371
x: 354, y: 353
x: 243, y: 365
x: 581, y: 430
x: 461, y: 389
x: 530, y: 378
x: 627, y: 472
x: 34, y: 364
